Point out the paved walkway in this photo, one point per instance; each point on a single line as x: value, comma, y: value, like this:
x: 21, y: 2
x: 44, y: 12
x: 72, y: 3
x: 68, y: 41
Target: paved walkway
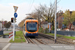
x: 24, y: 46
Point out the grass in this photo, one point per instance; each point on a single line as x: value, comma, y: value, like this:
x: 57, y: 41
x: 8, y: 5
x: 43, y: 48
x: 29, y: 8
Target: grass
x: 68, y: 37
x: 19, y: 38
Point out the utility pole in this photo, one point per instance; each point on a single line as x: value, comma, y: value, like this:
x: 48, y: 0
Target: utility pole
x: 55, y: 20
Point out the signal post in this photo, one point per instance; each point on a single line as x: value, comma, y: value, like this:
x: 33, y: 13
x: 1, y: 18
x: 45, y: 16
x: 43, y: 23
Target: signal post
x: 15, y: 16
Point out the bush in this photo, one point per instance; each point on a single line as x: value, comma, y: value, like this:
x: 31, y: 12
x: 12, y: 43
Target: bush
x: 41, y: 30
x: 46, y: 30
x: 52, y: 27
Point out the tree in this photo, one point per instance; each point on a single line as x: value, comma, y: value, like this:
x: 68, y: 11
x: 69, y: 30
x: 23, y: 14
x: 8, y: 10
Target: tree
x: 59, y: 13
x: 7, y: 24
x: 69, y: 18
x: 40, y: 13
x: 73, y: 16
x: 44, y: 13
x: 21, y: 24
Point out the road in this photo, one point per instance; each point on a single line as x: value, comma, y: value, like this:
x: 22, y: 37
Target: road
x: 25, y: 46
x: 2, y: 45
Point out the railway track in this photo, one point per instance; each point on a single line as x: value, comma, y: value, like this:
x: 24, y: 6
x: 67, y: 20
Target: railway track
x: 46, y: 39
x: 29, y: 40
x: 59, y: 40
x: 39, y: 40
x: 33, y: 40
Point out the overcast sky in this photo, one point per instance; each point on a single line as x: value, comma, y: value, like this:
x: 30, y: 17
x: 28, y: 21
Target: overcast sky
x: 27, y: 6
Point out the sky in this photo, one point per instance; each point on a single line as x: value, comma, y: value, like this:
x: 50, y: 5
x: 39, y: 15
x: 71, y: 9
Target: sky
x: 28, y: 6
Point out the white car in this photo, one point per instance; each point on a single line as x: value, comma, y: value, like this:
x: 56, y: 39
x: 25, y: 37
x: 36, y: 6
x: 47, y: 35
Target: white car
x: 58, y: 29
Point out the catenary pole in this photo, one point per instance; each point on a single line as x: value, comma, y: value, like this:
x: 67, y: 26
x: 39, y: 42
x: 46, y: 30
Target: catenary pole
x: 55, y: 20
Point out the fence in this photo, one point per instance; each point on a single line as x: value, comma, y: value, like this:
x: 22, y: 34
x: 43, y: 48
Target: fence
x: 67, y: 33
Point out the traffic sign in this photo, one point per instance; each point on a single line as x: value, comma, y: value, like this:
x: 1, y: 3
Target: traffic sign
x: 15, y: 8
x: 15, y: 15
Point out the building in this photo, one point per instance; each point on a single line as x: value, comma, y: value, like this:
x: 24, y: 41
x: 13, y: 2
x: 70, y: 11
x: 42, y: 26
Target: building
x: 44, y: 24
x: 60, y: 21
